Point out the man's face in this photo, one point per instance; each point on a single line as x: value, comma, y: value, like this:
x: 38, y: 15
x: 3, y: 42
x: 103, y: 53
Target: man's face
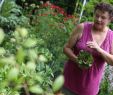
x: 101, y: 19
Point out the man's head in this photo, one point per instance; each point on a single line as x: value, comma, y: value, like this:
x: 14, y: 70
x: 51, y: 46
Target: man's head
x: 103, y: 15
x: 104, y: 7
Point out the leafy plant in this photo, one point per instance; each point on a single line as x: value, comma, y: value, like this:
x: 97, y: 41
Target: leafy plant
x: 85, y: 59
x: 24, y: 71
x: 11, y: 16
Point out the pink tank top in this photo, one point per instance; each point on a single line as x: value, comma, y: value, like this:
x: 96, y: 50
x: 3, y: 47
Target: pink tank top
x: 86, y: 82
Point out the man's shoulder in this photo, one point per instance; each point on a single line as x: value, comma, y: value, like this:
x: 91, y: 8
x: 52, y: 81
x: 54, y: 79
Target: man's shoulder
x: 111, y: 33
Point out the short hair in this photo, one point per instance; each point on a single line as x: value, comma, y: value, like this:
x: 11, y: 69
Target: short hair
x: 104, y: 7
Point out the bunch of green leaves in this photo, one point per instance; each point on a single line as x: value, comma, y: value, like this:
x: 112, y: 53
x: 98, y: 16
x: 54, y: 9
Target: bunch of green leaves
x: 25, y: 70
x: 85, y: 59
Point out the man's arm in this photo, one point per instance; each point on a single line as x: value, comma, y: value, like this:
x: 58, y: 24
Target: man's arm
x: 108, y: 57
x: 76, y: 34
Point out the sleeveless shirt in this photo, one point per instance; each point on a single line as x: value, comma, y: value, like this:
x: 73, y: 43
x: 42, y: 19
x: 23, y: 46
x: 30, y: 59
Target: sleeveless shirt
x: 86, y: 81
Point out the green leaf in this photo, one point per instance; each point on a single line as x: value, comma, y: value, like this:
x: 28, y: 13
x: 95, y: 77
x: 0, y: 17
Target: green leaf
x: 32, y: 54
x: 58, y: 83
x: 29, y: 43
x: 31, y: 66
x: 20, y: 55
x: 13, y: 74
x: 22, y: 31
x: 42, y: 58
x: 8, y: 60
x: 2, y: 51
x: 2, y: 35
x: 36, y: 89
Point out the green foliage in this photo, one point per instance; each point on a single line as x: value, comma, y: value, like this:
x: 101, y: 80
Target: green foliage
x: 25, y: 68
x: 85, y: 59
x: 11, y: 16
x: 104, y: 88
x: 7, y: 6
x: 105, y: 84
x: 54, y: 32
x: 31, y: 57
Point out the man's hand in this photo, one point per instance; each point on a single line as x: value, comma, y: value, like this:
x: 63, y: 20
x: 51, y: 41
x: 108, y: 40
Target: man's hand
x: 93, y: 45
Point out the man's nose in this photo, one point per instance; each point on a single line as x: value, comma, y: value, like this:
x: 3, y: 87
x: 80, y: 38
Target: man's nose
x: 99, y: 19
